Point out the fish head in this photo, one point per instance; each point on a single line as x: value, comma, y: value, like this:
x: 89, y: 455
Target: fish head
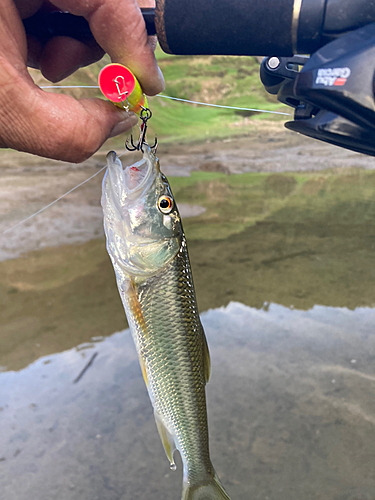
x: 141, y: 220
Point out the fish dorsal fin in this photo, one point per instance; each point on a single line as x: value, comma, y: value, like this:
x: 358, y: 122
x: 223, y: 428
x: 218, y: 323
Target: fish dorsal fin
x: 206, y: 358
x: 166, y: 438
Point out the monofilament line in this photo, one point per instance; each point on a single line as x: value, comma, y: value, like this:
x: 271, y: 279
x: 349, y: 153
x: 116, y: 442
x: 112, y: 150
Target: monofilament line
x: 69, y: 87
x: 53, y: 202
x: 174, y: 99
x: 222, y: 106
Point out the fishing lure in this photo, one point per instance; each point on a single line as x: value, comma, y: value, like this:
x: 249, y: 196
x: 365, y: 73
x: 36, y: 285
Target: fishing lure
x: 120, y: 86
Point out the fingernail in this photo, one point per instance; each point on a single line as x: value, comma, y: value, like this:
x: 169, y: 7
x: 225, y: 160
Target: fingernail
x: 128, y: 121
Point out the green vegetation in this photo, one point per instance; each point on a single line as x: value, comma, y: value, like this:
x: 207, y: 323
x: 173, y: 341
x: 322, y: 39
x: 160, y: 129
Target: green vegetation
x: 224, y: 80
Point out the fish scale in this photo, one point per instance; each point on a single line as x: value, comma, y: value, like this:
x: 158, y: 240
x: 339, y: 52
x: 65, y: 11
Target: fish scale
x: 172, y: 348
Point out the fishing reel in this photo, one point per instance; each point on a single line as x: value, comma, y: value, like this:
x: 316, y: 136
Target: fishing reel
x: 332, y: 91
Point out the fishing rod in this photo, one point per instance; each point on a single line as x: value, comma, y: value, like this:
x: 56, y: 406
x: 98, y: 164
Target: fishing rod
x: 330, y: 88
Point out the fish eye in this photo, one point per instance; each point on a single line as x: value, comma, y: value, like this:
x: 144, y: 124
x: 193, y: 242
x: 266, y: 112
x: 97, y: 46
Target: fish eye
x: 165, y: 204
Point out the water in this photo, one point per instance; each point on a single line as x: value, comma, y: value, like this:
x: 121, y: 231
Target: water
x: 290, y: 414
x: 284, y: 270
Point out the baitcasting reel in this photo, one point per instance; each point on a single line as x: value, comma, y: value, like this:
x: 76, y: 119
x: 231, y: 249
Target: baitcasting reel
x: 332, y: 91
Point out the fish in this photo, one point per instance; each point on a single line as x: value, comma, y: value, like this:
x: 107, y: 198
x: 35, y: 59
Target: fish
x: 147, y: 246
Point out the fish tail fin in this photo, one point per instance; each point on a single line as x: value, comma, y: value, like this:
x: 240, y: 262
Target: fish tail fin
x: 209, y: 490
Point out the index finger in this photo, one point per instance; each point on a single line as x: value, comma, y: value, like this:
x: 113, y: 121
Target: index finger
x: 120, y: 30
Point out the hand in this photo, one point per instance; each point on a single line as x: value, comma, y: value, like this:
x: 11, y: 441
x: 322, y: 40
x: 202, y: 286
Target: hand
x: 55, y: 125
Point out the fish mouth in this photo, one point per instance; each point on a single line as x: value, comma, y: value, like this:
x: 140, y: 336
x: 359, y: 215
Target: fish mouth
x: 129, y: 182
x: 137, y: 175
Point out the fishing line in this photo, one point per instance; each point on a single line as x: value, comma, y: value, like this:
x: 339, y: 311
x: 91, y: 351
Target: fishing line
x: 173, y: 99
x: 69, y: 87
x: 221, y: 106
x: 53, y: 202
x: 97, y: 173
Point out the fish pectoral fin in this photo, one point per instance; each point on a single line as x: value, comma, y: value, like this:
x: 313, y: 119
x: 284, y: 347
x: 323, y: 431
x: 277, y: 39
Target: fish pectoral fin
x: 206, y: 358
x: 143, y: 369
x: 167, y: 439
x: 135, y: 307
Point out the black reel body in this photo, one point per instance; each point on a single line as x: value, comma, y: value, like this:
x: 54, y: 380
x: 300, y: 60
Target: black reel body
x: 333, y: 93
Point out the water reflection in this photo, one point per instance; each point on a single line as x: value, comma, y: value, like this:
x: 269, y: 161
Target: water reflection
x: 291, y: 401
x: 291, y: 413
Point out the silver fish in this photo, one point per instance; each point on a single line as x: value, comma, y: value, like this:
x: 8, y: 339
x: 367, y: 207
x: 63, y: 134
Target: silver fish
x: 147, y: 247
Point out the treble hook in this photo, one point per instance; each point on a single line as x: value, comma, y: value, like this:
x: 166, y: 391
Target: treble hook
x: 145, y: 115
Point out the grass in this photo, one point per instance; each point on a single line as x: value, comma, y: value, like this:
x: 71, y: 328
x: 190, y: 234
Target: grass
x: 228, y: 81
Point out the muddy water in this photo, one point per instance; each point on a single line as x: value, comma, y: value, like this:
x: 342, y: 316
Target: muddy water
x: 287, y: 283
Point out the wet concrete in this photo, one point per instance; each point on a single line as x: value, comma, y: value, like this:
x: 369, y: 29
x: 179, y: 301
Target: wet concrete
x: 291, y: 413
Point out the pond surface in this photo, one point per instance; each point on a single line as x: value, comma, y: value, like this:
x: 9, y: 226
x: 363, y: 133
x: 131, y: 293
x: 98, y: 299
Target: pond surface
x: 284, y: 269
